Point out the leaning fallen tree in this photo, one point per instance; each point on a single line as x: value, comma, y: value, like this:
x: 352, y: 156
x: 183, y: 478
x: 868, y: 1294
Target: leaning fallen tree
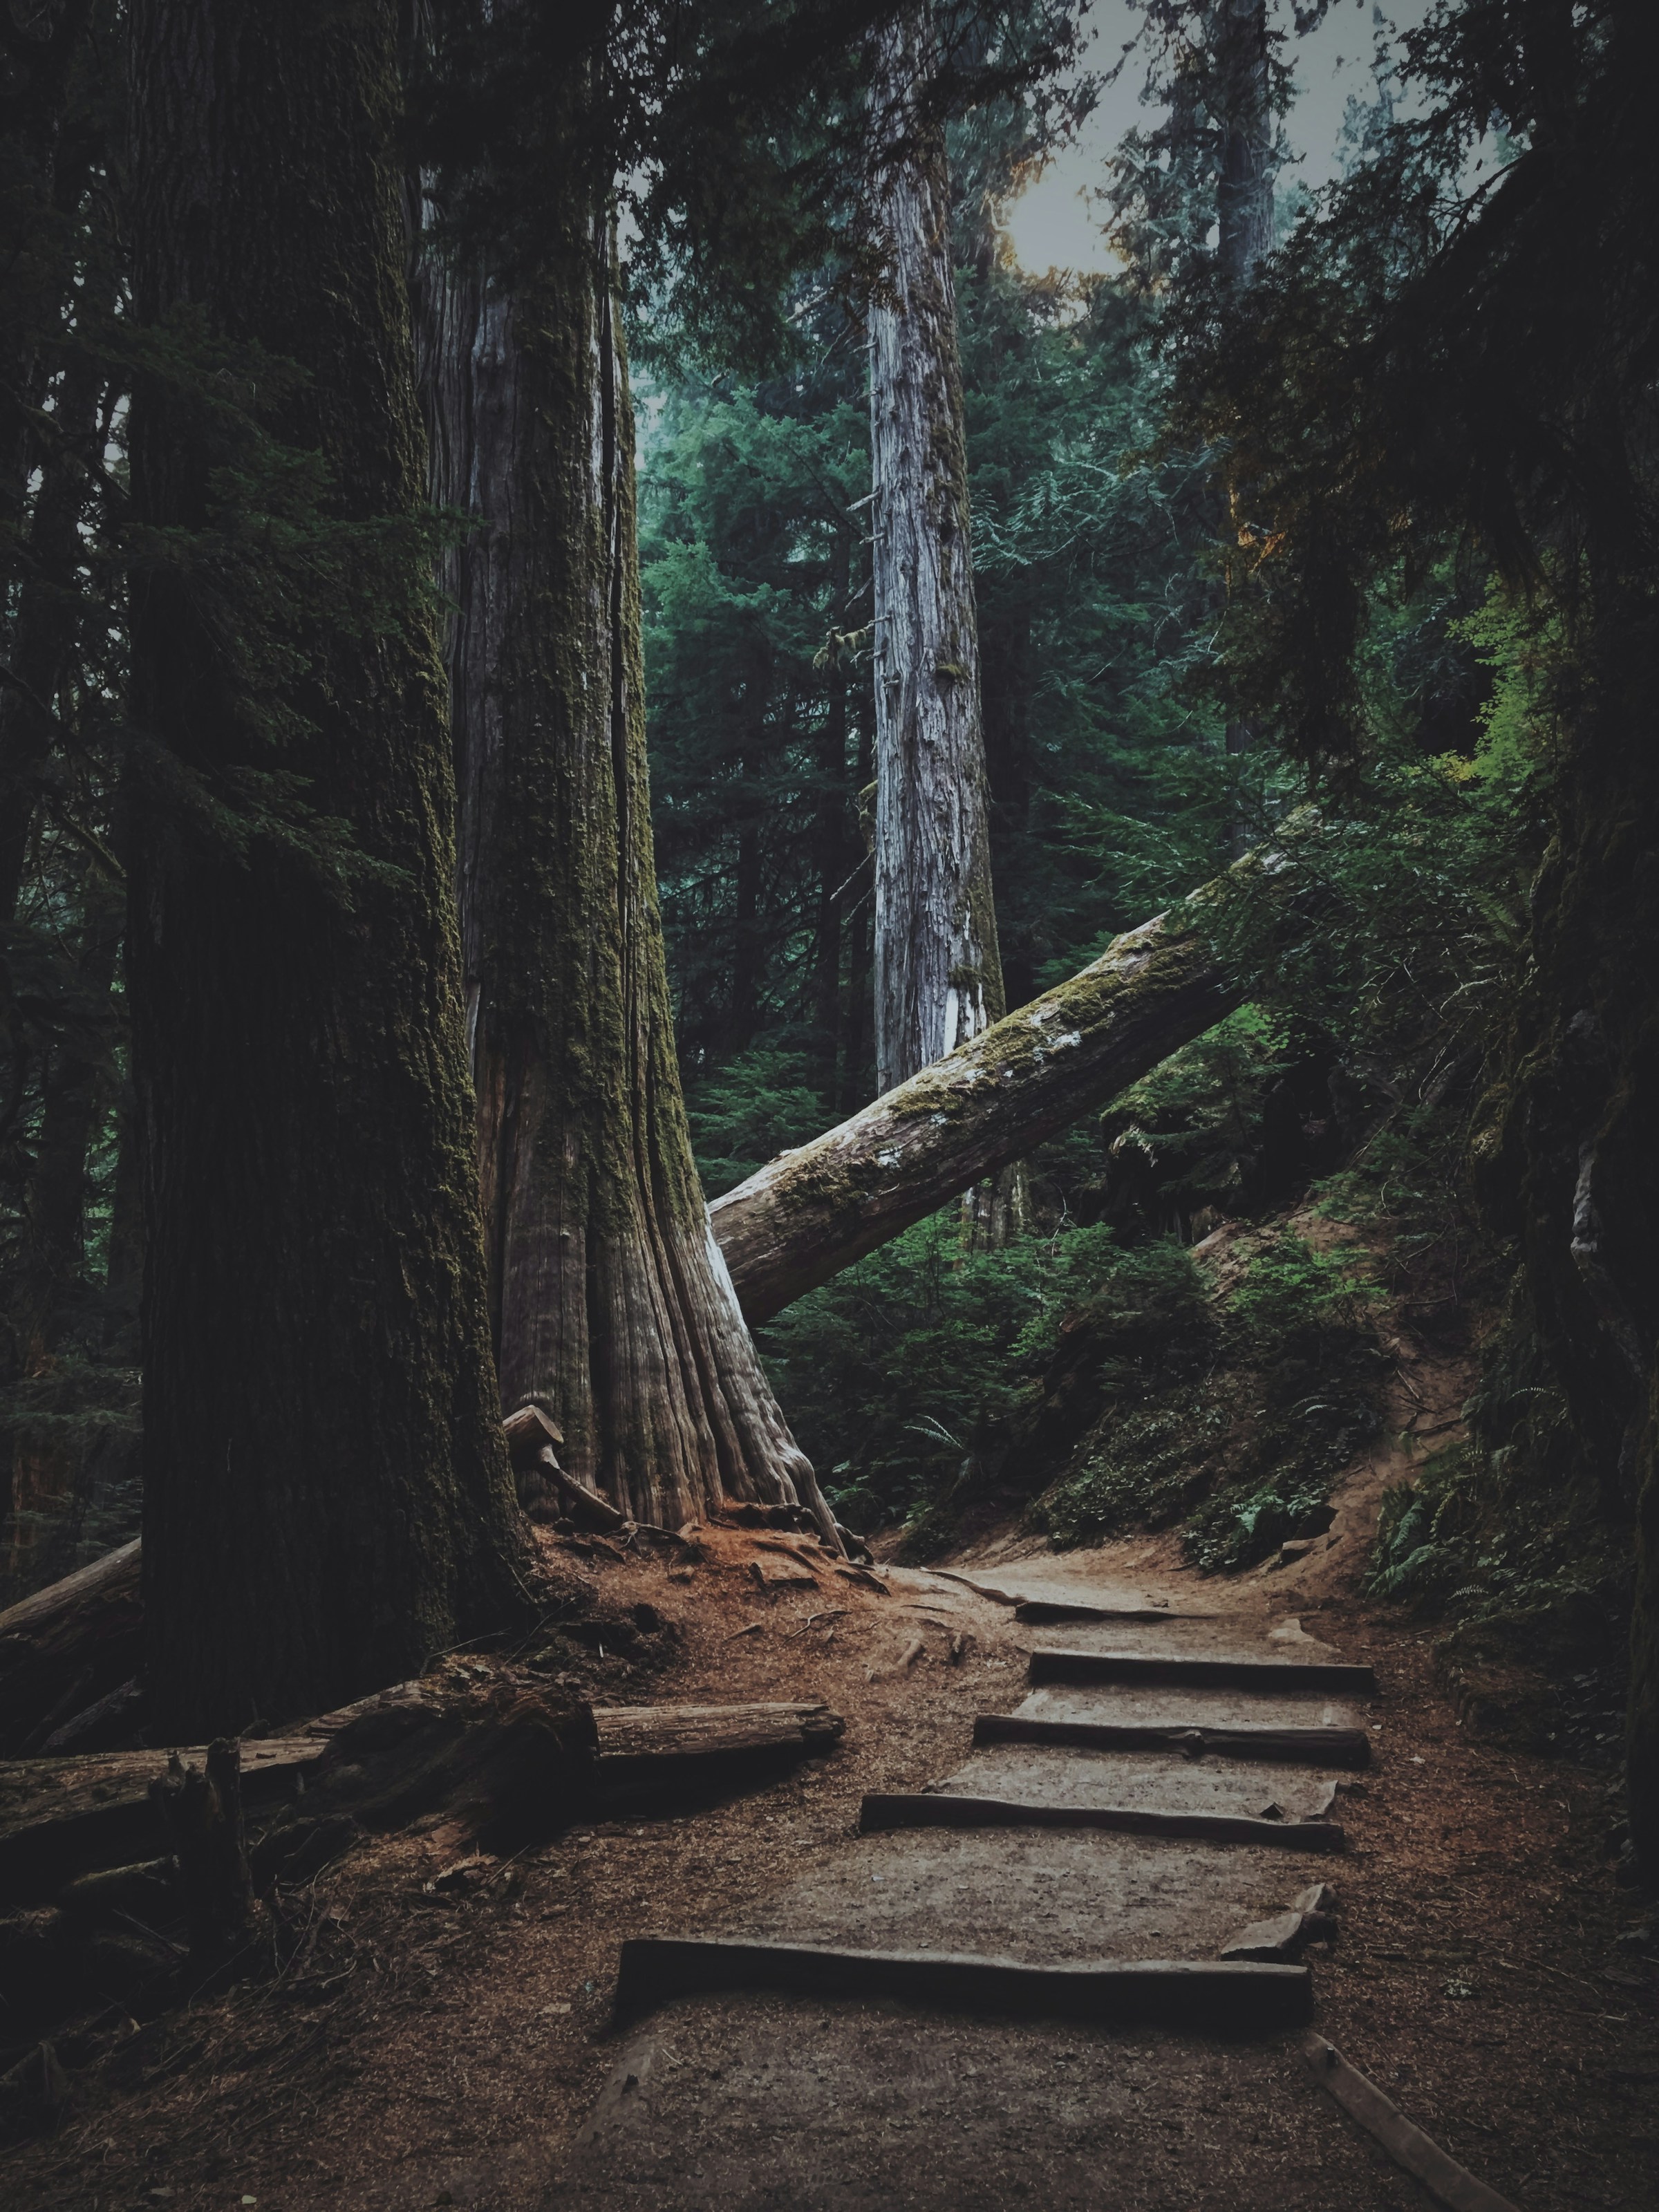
x: 809, y: 1213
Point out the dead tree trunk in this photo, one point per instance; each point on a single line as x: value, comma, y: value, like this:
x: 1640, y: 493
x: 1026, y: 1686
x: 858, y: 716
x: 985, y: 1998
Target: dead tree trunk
x: 609, y: 1298
x: 811, y: 1212
x: 939, y: 977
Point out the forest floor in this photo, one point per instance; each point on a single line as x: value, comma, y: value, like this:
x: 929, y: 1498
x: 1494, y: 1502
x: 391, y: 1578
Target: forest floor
x: 452, y: 2029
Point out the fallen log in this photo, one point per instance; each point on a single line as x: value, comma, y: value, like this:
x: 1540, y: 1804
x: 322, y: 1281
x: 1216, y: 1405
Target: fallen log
x: 489, y: 1761
x: 811, y: 1212
x: 68, y: 1646
x: 712, y: 1731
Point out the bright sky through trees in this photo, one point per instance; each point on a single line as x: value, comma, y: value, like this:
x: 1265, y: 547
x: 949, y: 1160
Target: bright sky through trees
x: 1053, y: 224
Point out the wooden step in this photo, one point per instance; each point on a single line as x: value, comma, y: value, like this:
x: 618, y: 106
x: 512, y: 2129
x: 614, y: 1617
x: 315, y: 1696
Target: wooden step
x: 1196, y: 1993
x: 939, y: 1809
x: 1047, y: 1608
x: 1298, y: 1746
x: 1280, y: 1674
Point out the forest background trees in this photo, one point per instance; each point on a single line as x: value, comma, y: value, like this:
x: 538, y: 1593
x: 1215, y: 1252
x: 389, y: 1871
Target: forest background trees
x: 1354, y: 517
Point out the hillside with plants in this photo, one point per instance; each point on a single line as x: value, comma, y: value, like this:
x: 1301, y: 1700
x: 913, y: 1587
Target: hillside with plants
x: 1141, y: 688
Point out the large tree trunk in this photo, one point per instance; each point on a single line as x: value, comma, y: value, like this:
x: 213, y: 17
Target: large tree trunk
x: 1244, y: 215
x: 811, y: 1212
x: 611, y: 1303
x: 327, y: 1496
x: 939, y: 978
x: 1571, y: 1168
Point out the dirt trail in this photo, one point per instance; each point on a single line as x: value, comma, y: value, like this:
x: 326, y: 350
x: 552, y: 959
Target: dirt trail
x: 453, y: 2046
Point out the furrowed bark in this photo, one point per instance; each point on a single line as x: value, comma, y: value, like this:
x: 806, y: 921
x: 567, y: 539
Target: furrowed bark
x: 327, y: 1495
x: 938, y: 975
x: 809, y: 1213
x: 609, y: 1298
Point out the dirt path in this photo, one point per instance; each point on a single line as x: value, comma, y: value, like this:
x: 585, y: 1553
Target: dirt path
x: 453, y: 2047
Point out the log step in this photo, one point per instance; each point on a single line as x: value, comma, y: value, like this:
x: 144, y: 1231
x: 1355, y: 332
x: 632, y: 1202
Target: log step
x: 939, y: 1809
x: 1296, y: 1747
x: 1036, y: 1609
x: 1201, y: 1673
x: 1419, y: 2155
x: 1204, y: 1995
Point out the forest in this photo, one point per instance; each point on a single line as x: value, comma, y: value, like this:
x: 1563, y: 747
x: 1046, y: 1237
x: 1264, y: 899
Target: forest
x: 731, y: 889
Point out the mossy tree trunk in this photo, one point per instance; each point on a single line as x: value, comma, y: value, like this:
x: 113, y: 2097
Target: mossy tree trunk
x: 1575, y: 1170
x: 611, y: 1302
x: 327, y: 1497
x: 939, y: 976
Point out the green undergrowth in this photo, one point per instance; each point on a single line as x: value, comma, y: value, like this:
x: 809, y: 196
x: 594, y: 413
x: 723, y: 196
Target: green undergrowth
x: 1502, y: 1541
x: 1280, y: 1387
x: 1092, y: 1385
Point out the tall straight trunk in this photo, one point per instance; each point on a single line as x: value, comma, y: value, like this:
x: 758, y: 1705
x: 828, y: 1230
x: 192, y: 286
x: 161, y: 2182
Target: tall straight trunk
x: 612, y: 1306
x: 1244, y: 211
x: 51, y: 609
x: 857, y: 1080
x: 939, y: 978
x: 832, y: 851
x: 327, y: 1498
x: 77, y: 1091
x: 1244, y: 188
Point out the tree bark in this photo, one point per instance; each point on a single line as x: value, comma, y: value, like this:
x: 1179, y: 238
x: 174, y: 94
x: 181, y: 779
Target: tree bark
x: 832, y: 845
x: 1244, y: 216
x: 327, y: 1497
x: 811, y: 1212
x: 610, y: 1301
x: 1244, y: 188
x: 939, y: 977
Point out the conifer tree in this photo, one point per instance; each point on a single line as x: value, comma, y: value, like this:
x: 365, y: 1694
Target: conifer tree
x: 938, y: 969
x: 327, y: 1498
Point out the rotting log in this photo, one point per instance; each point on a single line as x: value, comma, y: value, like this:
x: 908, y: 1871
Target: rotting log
x: 811, y: 1212
x: 201, y: 1810
x: 66, y: 1646
x: 1166, y: 1993
x: 706, y: 1731
x: 497, y: 1760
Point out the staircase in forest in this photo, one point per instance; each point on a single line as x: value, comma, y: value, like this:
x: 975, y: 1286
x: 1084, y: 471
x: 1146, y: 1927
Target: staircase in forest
x: 1023, y: 1982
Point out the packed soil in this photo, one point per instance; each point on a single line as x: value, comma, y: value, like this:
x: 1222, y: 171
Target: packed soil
x: 446, y: 2031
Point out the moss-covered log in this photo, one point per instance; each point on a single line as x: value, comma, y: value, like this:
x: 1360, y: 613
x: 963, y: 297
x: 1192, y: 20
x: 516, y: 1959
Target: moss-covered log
x: 811, y: 1212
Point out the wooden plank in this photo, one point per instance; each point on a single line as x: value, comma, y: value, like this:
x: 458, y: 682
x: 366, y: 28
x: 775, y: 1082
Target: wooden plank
x: 1036, y: 1609
x: 1204, y: 1995
x: 939, y: 1809
x: 1419, y: 2155
x: 1280, y: 1674
x: 712, y: 1731
x: 1298, y: 1746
